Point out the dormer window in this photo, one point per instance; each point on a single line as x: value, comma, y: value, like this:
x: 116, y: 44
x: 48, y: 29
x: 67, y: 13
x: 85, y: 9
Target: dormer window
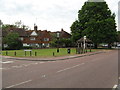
x: 33, y: 33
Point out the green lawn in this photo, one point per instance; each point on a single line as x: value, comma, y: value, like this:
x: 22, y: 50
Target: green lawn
x: 40, y: 52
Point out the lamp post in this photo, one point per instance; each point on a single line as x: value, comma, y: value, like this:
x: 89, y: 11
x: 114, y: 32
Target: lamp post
x: 58, y: 35
x: 84, y: 43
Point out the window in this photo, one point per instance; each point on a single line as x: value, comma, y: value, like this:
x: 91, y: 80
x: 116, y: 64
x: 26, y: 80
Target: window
x: 32, y: 38
x: 58, y: 34
x: 21, y: 38
x: 46, y: 39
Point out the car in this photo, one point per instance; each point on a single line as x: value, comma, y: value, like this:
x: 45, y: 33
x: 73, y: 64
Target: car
x: 118, y: 45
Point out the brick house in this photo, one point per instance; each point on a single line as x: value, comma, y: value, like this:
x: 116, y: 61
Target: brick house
x: 36, y: 38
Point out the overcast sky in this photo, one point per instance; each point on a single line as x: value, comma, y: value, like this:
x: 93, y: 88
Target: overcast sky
x: 47, y: 14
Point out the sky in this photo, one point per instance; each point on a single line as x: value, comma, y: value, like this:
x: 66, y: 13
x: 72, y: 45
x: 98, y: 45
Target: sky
x: 51, y: 15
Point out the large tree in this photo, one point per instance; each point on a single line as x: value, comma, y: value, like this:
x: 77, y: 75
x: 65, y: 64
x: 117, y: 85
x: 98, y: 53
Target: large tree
x: 95, y: 21
x: 13, y: 42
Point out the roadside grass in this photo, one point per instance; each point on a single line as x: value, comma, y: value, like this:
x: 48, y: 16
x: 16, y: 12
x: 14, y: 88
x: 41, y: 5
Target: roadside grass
x: 41, y: 52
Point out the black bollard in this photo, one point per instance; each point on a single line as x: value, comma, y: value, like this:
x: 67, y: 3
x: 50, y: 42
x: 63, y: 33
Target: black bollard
x: 15, y: 53
x: 90, y: 50
x: 6, y: 53
x: 30, y: 53
x: 35, y: 53
x: 53, y: 54
x: 57, y: 50
x: 25, y: 53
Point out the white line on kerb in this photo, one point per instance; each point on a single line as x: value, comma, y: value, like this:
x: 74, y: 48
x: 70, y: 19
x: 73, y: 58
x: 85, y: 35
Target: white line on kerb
x: 19, y: 84
x: 114, y: 87
x: 70, y: 67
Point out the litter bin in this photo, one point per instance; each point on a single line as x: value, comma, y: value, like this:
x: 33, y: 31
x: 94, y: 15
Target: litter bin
x: 68, y: 50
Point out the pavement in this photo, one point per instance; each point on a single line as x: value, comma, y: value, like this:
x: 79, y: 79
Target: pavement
x: 55, y: 58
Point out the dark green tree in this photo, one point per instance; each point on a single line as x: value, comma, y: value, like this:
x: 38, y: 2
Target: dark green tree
x: 13, y: 42
x: 76, y: 31
x: 95, y: 21
x: 118, y: 36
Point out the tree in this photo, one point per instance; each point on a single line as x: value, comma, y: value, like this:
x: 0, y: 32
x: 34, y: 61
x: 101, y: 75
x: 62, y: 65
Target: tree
x: 76, y: 31
x: 118, y: 36
x: 13, y: 42
x: 19, y: 24
x: 6, y: 26
x: 95, y: 21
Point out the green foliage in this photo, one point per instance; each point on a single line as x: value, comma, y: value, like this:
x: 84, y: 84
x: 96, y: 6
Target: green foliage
x: 6, y: 26
x: 17, y: 24
x: 62, y: 42
x: 76, y: 31
x: 95, y: 21
x: 13, y: 42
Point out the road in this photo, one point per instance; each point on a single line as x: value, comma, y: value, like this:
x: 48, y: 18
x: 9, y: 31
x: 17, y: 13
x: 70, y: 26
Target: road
x: 95, y: 71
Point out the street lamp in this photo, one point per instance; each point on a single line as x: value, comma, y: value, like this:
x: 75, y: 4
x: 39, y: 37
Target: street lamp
x: 58, y: 35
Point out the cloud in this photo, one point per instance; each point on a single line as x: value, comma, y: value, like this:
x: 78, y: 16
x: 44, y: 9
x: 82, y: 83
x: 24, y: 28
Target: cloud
x: 51, y: 14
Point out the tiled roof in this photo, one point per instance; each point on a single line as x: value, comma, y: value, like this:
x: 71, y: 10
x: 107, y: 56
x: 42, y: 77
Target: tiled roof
x: 41, y: 34
x: 20, y: 31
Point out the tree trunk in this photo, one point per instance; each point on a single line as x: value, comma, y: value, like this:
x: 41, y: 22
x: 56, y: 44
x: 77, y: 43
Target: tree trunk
x: 109, y: 46
x: 95, y: 45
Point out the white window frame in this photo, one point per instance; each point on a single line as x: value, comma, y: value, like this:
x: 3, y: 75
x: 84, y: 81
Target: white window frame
x: 46, y: 39
x: 21, y: 38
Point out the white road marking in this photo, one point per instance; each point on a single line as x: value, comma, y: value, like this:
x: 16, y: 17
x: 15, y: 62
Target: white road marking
x: 35, y: 63
x: 6, y: 62
x: 25, y: 65
x: 43, y: 75
x: 41, y: 62
x: 72, y: 56
x: 4, y: 68
x: 70, y: 68
x: 18, y: 67
x: 14, y: 66
x: 114, y: 87
x: 19, y: 84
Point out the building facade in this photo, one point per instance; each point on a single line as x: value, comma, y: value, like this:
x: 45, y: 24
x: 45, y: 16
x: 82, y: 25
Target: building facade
x: 36, y: 38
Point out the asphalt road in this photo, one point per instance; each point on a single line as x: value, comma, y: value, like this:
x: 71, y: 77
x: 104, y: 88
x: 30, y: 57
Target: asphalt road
x: 96, y: 71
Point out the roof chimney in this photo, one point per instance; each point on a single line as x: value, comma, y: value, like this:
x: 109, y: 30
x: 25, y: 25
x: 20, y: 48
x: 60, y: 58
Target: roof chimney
x: 35, y: 27
x: 62, y: 29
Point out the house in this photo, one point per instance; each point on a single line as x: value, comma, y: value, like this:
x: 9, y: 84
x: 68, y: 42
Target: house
x: 62, y: 34
x: 36, y: 38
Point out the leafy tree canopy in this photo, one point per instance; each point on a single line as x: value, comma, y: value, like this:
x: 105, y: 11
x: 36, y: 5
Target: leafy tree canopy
x: 12, y: 40
x: 95, y: 21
